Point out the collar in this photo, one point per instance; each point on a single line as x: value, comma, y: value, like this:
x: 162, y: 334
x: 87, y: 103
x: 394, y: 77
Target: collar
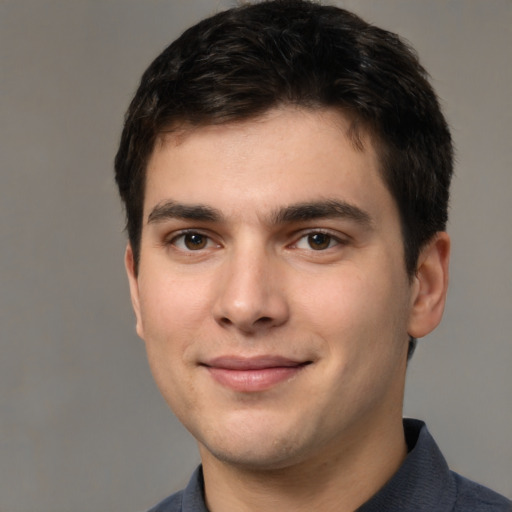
x: 423, y: 482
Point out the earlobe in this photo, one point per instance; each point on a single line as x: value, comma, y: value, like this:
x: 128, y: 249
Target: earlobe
x: 430, y: 287
x: 129, y: 264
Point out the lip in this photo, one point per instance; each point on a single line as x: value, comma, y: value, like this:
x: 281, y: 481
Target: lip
x: 254, y: 373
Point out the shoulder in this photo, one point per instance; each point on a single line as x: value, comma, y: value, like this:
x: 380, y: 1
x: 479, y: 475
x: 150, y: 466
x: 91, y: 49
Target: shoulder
x: 473, y: 497
x: 173, y: 503
x: 190, y: 499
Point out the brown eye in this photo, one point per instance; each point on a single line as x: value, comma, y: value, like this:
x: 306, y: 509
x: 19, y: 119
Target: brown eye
x: 195, y: 241
x: 319, y: 241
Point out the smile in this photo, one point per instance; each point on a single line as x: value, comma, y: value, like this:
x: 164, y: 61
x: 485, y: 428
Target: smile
x: 248, y: 375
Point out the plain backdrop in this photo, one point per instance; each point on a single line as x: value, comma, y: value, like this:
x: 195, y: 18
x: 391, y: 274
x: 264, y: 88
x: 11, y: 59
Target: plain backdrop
x: 82, y: 426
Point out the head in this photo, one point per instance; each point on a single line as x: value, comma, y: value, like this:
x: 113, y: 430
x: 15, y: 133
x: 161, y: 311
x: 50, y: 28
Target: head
x: 285, y: 169
x: 246, y: 61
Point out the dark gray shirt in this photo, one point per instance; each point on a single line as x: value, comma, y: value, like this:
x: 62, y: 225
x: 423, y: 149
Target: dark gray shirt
x: 424, y: 483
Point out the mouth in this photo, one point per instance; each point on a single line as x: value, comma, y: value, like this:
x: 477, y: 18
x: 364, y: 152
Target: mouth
x: 249, y: 375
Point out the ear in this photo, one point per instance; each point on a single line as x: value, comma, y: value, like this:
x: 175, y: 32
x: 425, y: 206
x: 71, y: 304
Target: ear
x: 430, y: 286
x: 129, y: 264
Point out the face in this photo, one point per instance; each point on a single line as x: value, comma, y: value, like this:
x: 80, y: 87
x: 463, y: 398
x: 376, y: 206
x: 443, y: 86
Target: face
x: 271, y: 291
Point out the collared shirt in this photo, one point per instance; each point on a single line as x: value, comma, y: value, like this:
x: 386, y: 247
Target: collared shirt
x: 424, y: 483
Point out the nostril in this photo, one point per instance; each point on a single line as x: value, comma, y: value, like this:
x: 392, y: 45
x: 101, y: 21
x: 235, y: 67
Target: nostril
x: 249, y: 325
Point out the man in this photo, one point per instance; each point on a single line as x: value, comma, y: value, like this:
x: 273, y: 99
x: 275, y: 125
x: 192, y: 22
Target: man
x: 285, y: 169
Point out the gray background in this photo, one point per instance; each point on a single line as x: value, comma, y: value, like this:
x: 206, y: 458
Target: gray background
x: 82, y: 426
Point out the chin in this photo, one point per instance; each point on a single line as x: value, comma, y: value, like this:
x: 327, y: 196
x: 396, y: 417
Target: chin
x: 256, y: 459
x: 261, y: 450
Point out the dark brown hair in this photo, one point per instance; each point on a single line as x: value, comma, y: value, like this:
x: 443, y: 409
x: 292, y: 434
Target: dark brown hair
x: 242, y: 62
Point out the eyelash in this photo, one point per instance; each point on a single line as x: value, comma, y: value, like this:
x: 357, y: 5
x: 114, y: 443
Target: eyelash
x: 333, y: 240
x: 172, y: 241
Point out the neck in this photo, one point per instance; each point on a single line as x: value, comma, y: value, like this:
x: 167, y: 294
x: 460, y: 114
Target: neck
x: 340, y: 478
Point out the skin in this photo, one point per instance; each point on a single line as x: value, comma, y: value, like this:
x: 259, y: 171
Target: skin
x: 258, y: 276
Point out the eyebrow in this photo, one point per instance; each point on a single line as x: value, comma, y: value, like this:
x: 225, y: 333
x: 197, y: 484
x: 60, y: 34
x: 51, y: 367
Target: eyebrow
x: 173, y: 210
x: 299, y: 212
x: 330, y: 208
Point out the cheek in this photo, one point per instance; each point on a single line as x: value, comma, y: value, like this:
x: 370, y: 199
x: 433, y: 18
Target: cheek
x: 172, y: 314
x: 171, y: 307
x: 355, y: 308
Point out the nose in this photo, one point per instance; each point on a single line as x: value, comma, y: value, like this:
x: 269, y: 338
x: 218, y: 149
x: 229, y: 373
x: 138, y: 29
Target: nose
x: 251, y: 295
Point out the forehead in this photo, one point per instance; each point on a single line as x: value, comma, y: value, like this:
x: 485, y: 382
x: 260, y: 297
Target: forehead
x: 289, y: 155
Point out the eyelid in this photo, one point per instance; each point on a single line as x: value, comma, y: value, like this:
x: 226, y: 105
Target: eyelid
x: 336, y: 236
x: 339, y: 238
x: 170, y: 240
